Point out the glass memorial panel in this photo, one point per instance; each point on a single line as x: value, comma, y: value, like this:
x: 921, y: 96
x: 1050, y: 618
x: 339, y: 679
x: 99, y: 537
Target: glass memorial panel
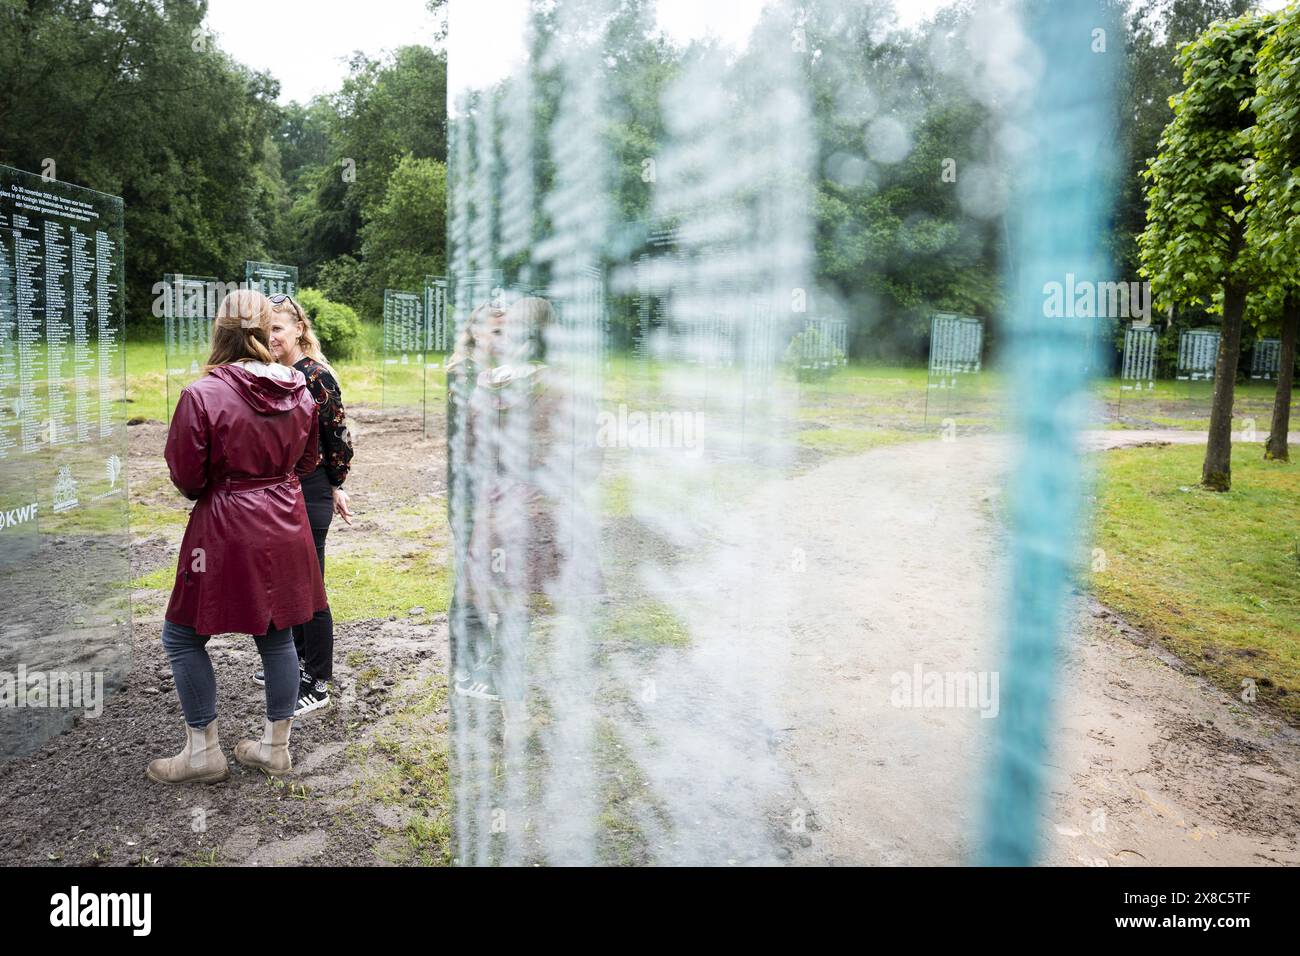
x: 956, y: 355
x: 438, y: 328
x: 1139, y: 362
x: 65, y: 641
x: 271, y: 278
x: 189, y: 305
x: 1137, y: 373
x: 1266, y: 359
x: 1198, y: 355
x: 696, y: 601
x: 402, y: 360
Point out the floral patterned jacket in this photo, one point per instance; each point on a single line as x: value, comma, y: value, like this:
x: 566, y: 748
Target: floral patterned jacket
x: 335, y: 443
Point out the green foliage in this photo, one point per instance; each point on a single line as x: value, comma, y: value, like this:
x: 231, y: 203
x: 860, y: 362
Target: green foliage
x: 346, y: 279
x: 136, y: 99
x: 389, y: 109
x: 1156, y: 29
x: 336, y: 325
x: 894, y: 240
x: 1274, y: 190
x: 404, y: 236
x: 806, y: 344
x: 1196, y: 206
x: 366, y: 168
x: 125, y: 97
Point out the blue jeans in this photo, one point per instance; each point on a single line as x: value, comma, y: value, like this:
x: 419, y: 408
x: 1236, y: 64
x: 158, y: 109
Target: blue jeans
x: 196, y: 684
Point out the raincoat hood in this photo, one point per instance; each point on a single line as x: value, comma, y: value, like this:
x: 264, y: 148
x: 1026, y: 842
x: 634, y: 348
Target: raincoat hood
x: 267, y: 389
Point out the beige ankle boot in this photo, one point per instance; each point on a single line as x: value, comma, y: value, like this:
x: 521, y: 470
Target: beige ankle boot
x: 271, y: 753
x: 201, y: 761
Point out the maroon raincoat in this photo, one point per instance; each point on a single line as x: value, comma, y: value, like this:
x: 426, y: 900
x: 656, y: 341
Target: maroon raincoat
x: 239, y: 439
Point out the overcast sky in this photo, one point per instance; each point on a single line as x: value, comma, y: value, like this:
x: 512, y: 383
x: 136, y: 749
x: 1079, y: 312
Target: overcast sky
x: 486, y: 49
x: 305, y: 43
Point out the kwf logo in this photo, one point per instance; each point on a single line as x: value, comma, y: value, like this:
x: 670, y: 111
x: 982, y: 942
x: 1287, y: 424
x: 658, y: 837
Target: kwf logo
x: 16, y: 516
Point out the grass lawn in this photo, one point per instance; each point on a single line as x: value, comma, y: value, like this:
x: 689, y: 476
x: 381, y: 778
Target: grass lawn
x: 365, y: 587
x: 1215, y: 577
x: 150, y: 394
x: 1186, y: 405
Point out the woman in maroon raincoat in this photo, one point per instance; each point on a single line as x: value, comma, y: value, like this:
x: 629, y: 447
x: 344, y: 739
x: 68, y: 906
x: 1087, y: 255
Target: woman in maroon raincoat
x: 239, y: 439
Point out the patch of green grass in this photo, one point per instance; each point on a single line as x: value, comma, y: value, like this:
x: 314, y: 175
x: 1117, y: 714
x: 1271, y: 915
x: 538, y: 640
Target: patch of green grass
x: 146, y: 379
x: 1213, y: 575
x: 362, y: 587
x: 90, y: 518
x: 159, y: 579
x: 150, y: 395
x: 648, y: 622
x: 151, y: 519
x: 414, y: 774
x: 432, y: 525
x: 1184, y: 405
x: 616, y: 496
x: 623, y: 790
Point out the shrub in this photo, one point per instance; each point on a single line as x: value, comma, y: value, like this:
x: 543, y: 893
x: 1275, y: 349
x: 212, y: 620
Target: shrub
x: 812, y: 356
x: 336, y: 325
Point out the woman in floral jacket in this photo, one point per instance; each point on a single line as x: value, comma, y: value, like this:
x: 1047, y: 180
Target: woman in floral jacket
x: 294, y: 343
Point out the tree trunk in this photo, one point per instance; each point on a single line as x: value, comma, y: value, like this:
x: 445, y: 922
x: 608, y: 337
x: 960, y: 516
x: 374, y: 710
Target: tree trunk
x: 1275, y: 447
x: 1216, y: 474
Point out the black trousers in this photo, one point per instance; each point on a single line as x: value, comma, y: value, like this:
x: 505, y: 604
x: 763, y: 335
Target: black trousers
x: 315, y: 639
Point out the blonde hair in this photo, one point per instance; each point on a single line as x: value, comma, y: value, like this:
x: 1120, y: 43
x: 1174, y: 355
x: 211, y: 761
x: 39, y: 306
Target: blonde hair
x: 308, y: 341
x: 464, y: 345
x: 534, y: 316
x: 241, y: 330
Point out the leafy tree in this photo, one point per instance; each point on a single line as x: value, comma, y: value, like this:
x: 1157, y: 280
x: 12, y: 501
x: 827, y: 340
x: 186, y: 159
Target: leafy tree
x: 404, y: 236
x: 339, y: 154
x: 134, y: 98
x: 1194, y: 245
x: 901, y: 232
x: 1156, y: 29
x: 1274, y: 230
x: 387, y: 109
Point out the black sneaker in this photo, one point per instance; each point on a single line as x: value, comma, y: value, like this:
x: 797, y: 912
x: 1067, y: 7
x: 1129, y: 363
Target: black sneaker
x: 312, y: 695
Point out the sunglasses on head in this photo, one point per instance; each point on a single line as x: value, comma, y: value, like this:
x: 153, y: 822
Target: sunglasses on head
x: 280, y: 297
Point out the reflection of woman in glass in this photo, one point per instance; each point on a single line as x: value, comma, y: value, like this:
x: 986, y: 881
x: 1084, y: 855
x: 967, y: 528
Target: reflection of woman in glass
x: 294, y: 343
x: 239, y: 440
x: 471, y: 643
x: 512, y: 548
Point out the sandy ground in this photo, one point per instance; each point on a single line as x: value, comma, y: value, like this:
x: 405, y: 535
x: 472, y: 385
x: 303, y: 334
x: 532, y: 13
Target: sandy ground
x: 1151, y: 765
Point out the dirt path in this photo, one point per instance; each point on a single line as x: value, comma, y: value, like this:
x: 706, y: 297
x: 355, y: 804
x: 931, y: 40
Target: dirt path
x: 1152, y: 765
